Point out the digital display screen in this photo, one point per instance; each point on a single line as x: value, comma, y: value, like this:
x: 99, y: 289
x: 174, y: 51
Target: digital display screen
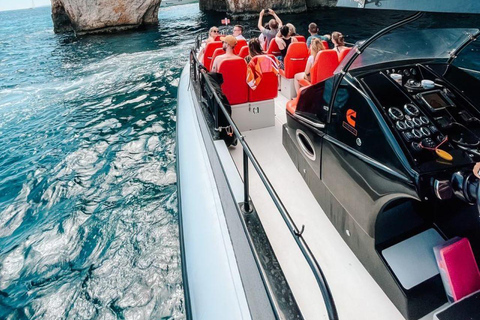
x: 435, y: 100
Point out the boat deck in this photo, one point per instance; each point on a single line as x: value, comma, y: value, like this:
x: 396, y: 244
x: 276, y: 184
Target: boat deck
x: 356, y: 294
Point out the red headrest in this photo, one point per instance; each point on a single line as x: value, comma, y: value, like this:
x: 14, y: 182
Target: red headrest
x: 268, y: 86
x: 343, y: 54
x: 239, y: 46
x: 325, y: 44
x: 217, y: 38
x: 208, y: 55
x: 217, y: 52
x: 243, y: 52
x: 295, y: 59
x: 325, y: 64
x: 273, y: 48
x: 300, y: 38
x: 235, y: 87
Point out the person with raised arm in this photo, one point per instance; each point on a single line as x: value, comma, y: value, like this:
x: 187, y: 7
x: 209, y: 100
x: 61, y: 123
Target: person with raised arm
x: 274, y: 25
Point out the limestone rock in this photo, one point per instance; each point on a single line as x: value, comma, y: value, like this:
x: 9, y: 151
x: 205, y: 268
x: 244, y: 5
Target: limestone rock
x: 245, y: 7
x: 84, y: 16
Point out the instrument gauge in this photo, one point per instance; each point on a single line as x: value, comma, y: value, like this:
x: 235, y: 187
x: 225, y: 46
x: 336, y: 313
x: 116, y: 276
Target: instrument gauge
x: 395, y: 113
x: 425, y: 131
x: 424, y: 120
x: 417, y: 133
x: 411, y: 109
x: 417, y: 122
x: 401, y: 125
x: 409, y: 124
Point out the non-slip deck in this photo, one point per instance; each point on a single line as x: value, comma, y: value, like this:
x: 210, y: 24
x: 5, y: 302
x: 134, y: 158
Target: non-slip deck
x: 356, y: 294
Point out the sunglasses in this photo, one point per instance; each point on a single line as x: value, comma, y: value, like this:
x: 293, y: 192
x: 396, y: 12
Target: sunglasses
x: 215, y: 31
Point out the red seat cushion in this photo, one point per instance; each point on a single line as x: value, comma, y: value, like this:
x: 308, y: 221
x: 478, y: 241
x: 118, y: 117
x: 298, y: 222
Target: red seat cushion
x: 243, y: 52
x: 208, y: 55
x: 239, y: 46
x: 267, y: 88
x: 300, y: 38
x: 460, y: 268
x: 216, y: 53
x: 325, y: 64
x: 273, y: 48
x: 235, y: 87
x: 295, y: 59
x: 343, y: 54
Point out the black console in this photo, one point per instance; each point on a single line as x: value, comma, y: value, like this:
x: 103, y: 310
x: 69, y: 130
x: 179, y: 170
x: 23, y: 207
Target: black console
x: 435, y: 124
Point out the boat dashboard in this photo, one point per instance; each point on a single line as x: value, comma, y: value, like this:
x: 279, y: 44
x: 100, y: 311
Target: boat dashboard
x: 435, y: 124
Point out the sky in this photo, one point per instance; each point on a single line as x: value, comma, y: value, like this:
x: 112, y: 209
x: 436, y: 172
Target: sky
x: 22, y: 4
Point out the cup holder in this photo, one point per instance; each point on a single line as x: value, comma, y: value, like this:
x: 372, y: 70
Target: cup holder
x: 306, y: 145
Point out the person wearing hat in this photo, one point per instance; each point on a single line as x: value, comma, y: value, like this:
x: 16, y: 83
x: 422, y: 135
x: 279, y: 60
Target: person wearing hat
x: 229, y: 42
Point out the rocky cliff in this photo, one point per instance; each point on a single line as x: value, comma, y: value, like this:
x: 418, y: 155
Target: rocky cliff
x: 84, y: 16
x: 248, y: 7
x: 245, y: 7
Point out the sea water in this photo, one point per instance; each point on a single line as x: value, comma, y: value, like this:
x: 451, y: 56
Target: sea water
x: 88, y: 204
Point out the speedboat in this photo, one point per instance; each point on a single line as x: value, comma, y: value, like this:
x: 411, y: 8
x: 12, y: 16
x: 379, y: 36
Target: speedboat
x: 345, y: 202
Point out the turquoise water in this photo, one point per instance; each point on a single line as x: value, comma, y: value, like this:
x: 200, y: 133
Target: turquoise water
x: 88, y: 204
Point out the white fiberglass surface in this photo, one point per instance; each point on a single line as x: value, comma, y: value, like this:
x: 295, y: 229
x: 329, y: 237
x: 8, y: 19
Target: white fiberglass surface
x: 214, y: 283
x: 356, y: 294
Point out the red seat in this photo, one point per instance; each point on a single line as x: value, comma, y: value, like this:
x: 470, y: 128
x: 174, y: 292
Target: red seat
x: 343, y: 54
x: 300, y: 38
x: 325, y: 64
x: 267, y: 88
x: 217, y: 38
x: 235, y: 87
x: 325, y: 44
x: 243, y: 52
x: 208, y: 55
x: 273, y: 48
x: 295, y: 59
x: 216, y: 53
x: 239, y: 46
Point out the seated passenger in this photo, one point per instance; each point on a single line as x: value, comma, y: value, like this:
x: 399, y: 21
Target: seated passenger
x: 315, y: 48
x: 313, y: 30
x: 273, y: 23
x: 283, y: 41
x: 212, y: 34
x: 238, y: 32
x: 338, y: 42
x: 254, y: 49
x: 293, y: 31
x: 229, y: 43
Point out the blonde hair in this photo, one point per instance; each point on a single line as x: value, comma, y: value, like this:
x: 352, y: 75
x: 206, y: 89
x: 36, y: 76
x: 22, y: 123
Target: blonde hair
x: 316, y: 46
x: 291, y: 29
x: 338, y: 37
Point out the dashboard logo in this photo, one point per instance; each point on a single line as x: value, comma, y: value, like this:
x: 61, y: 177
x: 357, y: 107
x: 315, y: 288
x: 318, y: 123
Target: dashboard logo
x: 351, y: 117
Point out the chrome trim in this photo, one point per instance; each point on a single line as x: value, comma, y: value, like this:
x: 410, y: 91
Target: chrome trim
x: 311, y: 156
x: 310, y: 122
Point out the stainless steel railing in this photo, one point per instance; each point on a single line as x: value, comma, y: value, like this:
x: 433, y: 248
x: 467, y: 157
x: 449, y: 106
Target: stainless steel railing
x: 196, y: 73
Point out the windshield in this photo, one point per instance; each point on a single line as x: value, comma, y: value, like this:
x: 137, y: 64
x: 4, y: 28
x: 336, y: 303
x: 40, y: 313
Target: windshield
x: 411, y: 45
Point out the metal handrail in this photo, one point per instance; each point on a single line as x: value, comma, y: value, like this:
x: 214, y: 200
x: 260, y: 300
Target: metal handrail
x: 295, y: 232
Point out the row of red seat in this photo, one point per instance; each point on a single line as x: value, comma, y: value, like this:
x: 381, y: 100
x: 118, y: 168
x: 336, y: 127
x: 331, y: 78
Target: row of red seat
x: 208, y: 56
x: 235, y: 87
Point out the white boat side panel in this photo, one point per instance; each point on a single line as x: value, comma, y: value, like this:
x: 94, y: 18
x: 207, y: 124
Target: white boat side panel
x: 357, y: 295
x: 215, y: 287
x: 413, y: 260
x: 233, y: 176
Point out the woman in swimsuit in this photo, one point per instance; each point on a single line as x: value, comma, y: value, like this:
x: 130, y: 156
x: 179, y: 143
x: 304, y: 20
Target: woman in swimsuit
x: 338, y: 42
x: 315, y: 47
